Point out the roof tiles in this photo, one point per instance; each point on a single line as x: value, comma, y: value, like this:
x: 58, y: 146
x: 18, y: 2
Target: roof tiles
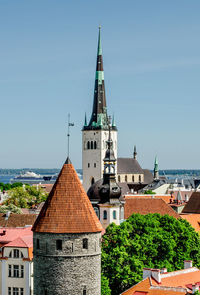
x: 67, y: 208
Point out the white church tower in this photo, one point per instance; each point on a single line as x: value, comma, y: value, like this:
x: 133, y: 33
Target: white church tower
x: 96, y: 133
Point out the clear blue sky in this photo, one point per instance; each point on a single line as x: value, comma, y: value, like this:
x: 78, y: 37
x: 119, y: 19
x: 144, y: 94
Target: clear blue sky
x: 151, y: 52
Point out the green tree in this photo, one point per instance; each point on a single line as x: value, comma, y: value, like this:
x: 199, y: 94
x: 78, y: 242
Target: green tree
x: 149, y: 192
x: 146, y: 241
x: 12, y: 208
x: 105, y: 289
x: 25, y: 197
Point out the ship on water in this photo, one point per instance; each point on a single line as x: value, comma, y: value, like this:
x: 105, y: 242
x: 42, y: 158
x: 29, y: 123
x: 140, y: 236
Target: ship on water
x: 30, y: 177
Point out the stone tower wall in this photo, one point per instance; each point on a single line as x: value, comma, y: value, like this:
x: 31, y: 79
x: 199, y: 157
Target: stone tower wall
x: 68, y: 271
x: 92, y: 159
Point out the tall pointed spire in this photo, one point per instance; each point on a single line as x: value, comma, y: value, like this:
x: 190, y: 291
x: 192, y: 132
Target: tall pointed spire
x: 156, y: 171
x: 99, y: 112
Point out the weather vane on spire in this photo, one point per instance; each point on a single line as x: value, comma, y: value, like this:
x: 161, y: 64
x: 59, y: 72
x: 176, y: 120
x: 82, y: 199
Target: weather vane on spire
x: 70, y: 124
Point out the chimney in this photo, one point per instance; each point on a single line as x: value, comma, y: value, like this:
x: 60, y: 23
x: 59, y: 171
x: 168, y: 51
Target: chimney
x: 146, y: 273
x: 156, y: 274
x: 195, y: 288
x: 186, y: 198
x: 187, y: 264
x: 7, y: 215
x: 163, y: 270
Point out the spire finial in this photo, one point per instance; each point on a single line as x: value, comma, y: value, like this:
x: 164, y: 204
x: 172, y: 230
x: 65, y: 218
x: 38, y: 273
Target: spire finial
x: 68, y: 134
x: 85, y: 124
x: 135, y: 153
x: 99, y: 50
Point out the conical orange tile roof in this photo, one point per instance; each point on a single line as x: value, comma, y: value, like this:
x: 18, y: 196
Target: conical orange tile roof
x: 67, y: 208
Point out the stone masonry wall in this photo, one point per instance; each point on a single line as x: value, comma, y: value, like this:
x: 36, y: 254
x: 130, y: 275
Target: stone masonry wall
x: 68, y: 271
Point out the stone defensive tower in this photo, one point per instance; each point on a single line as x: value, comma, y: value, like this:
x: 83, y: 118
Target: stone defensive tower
x: 95, y: 134
x: 66, y: 241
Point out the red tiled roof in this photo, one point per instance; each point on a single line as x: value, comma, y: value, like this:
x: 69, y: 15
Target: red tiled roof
x: 8, y: 235
x: 17, y: 220
x: 145, y: 206
x: 67, y: 208
x: 193, y: 219
x: 165, y: 197
x: 22, y: 242
x: 193, y: 205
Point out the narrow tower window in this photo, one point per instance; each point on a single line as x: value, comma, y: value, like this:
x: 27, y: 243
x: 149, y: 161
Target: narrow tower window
x: 88, y: 165
x: 104, y: 214
x: 139, y: 178
x: 92, y: 181
x: 119, y: 178
x: 95, y: 145
x: 84, y: 291
x: 58, y: 244
x: 85, y: 243
x: 133, y: 178
x: 91, y: 145
x: 95, y: 165
x: 37, y: 244
x: 88, y: 145
x: 114, y: 214
x: 126, y: 178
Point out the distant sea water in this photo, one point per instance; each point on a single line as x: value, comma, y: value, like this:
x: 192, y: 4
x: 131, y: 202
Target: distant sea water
x: 7, y: 174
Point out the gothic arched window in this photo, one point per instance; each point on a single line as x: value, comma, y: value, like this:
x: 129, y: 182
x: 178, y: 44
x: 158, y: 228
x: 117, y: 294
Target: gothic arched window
x: 92, y: 145
x: 88, y: 145
x: 92, y: 181
x: 104, y: 214
x: 95, y: 145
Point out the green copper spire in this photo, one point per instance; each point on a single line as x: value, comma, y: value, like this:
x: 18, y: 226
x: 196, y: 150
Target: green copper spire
x: 156, y: 171
x: 99, y: 49
x: 113, y: 121
x: 85, y: 124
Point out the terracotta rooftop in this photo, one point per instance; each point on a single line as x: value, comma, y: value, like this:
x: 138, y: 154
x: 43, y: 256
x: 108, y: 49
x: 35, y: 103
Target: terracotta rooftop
x: 145, y: 288
x: 8, y: 235
x: 193, y: 205
x: 22, y: 242
x: 193, y: 219
x: 67, y: 208
x: 165, y: 197
x: 145, y: 206
x: 17, y: 220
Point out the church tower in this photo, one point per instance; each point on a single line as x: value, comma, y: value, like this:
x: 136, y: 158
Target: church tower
x: 66, y: 240
x: 95, y: 133
x: 156, y: 171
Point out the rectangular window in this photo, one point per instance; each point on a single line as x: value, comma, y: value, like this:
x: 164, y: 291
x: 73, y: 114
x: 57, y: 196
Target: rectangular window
x: 10, y: 270
x: 16, y: 271
x: 58, y: 244
x: 15, y: 291
x: 85, y: 243
x: 22, y: 271
x: 84, y: 291
x: 88, y: 165
x: 16, y: 253
x: 9, y: 290
x: 37, y: 244
x: 95, y: 165
x: 21, y: 291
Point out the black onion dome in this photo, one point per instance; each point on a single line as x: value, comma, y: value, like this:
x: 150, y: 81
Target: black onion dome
x: 93, y: 191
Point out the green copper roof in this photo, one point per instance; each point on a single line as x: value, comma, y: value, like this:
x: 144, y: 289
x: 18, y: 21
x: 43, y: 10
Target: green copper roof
x: 99, y: 50
x: 156, y: 164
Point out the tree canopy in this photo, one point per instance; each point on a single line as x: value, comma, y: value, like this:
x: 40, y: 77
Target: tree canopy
x: 25, y: 197
x: 8, y: 186
x: 146, y: 241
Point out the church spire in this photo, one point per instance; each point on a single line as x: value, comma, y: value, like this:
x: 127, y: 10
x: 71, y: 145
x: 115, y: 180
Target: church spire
x: 99, y: 112
x: 156, y: 171
x: 135, y: 153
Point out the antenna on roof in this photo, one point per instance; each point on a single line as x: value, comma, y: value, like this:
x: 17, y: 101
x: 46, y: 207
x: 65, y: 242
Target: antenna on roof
x: 70, y: 124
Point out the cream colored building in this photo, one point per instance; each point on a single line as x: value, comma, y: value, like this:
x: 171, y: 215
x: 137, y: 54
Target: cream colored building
x: 16, y: 267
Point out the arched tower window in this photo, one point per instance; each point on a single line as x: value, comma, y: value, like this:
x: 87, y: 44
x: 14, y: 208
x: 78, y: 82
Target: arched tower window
x: 126, y: 178
x: 105, y: 215
x: 119, y: 178
x: 133, y: 178
x: 95, y: 145
x: 84, y: 291
x: 88, y: 145
x: 92, y: 146
x: 139, y: 178
x: 92, y: 180
x: 114, y: 214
